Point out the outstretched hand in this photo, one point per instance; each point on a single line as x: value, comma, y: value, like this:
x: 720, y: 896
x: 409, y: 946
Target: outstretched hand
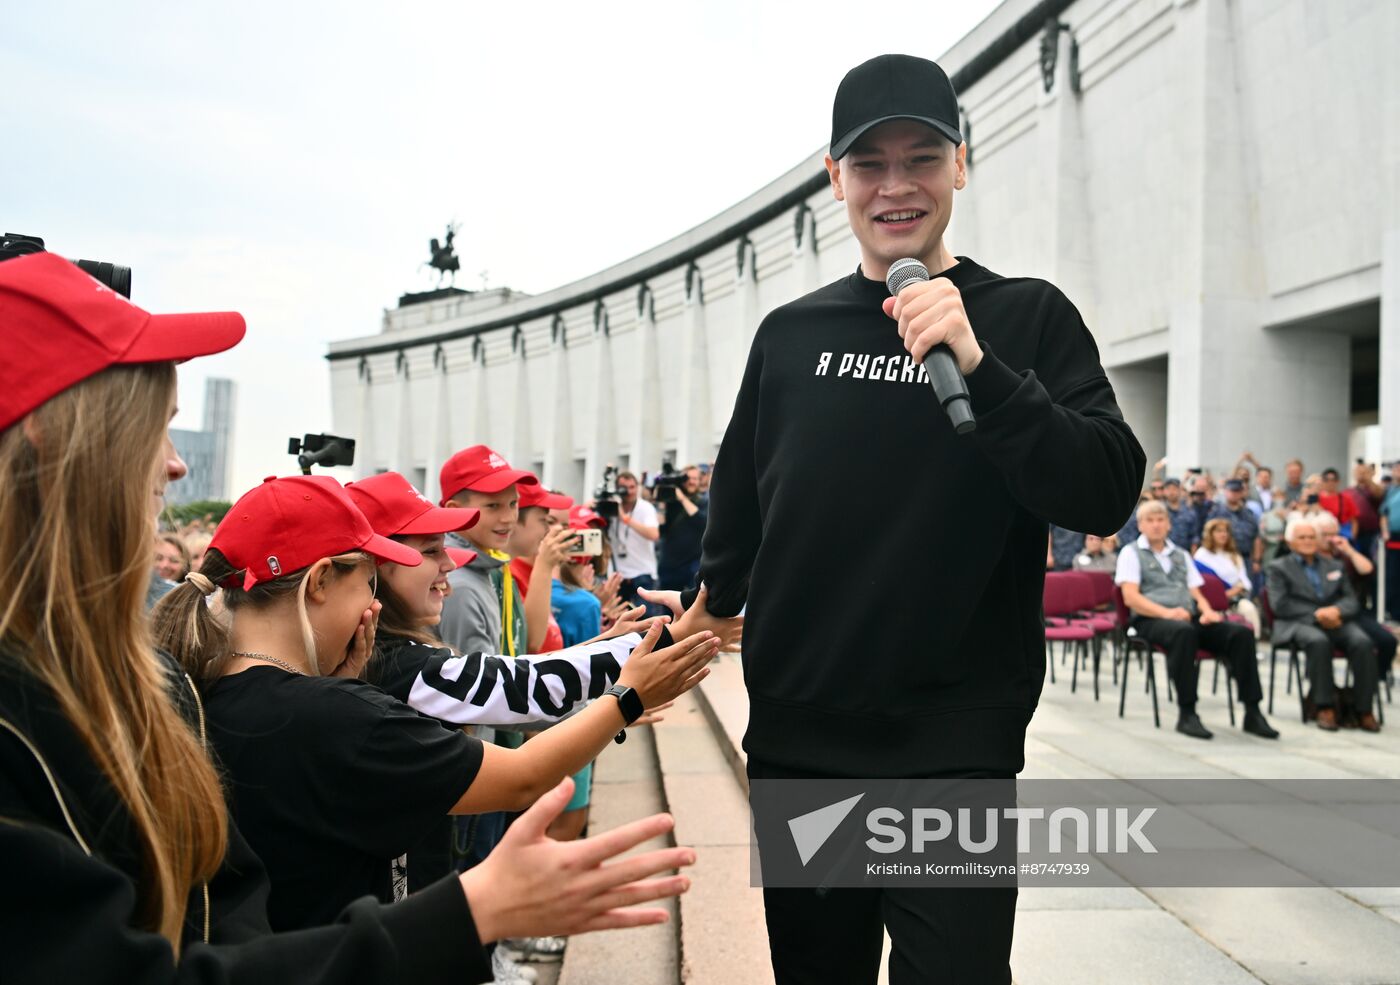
x: 630, y: 620
x: 663, y: 675
x: 533, y: 886
x: 671, y: 600
x: 699, y: 619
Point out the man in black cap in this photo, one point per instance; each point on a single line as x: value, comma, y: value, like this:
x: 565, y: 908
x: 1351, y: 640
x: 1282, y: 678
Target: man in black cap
x: 926, y: 659
x: 1243, y: 524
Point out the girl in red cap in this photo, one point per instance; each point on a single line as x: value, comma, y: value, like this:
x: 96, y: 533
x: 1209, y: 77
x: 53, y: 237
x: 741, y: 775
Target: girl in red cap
x: 117, y: 839
x: 332, y: 779
x: 413, y: 665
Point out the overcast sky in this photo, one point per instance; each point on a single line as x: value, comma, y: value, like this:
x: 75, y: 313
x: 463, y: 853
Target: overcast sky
x: 290, y: 161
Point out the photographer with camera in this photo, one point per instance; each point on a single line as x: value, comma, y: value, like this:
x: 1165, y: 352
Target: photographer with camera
x: 683, y: 525
x: 633, y: 531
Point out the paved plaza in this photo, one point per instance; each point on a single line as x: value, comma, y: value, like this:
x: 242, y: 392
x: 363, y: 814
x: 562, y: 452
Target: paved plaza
x: 691, y: 764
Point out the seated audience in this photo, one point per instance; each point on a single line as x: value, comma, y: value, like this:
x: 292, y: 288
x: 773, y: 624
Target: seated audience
x: 1219, y: 554
x: 1358, y: 566
x: 1315, y: 606
x: 1244, y: 525
x: 1099, y: 554
x: 1163, y: 589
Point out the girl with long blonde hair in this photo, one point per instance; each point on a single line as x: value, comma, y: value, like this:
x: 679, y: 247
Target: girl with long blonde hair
x: 119, y: 853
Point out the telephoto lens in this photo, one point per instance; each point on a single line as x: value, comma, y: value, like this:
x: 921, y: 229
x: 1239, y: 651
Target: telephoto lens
x: 113, y: 275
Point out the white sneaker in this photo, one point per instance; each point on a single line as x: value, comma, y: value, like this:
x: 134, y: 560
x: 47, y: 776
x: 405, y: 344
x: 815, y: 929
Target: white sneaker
x: 541, y: 949
x: 504, y: 971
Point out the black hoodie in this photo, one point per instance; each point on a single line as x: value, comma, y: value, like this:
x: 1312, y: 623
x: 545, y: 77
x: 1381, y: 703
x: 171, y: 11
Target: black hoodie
x: 892, y: 569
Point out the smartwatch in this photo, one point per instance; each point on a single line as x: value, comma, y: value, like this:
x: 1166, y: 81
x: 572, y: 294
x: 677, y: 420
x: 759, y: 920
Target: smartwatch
x: 630, y: 704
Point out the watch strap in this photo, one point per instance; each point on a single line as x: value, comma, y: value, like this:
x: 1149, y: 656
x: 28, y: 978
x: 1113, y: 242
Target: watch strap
x: 628, y: 700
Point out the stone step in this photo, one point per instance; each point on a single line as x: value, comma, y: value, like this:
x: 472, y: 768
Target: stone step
x: 626, y: 786
x: 724, y: 701
x: 722, y: 936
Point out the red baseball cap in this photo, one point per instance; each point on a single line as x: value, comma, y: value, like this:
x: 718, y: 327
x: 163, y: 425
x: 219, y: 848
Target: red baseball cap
x: 538, y: 495
x: 581, y: 517
x: 479, y: 469
x: 460, y: 556
x: 61, y: 326
x: 395, y: 509
x: 288, y: 524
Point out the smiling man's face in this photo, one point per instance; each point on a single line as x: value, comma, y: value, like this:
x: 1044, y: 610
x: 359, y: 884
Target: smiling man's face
x: 897, y: 182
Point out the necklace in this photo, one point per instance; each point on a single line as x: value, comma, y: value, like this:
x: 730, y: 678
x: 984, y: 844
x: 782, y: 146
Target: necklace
x: 270, y: 659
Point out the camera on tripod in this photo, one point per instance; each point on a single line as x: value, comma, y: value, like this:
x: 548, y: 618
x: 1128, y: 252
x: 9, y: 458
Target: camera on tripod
x: 111, y: 275
x: 607, y: 498
x: 665, y: 483
x: 325, y: 450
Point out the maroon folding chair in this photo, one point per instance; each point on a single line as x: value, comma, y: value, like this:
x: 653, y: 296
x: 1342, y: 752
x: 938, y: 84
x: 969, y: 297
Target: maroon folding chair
x: 1086, y: 613
x: 1131, y: 642
x: 1060, y: 598
x: 1217, y: 594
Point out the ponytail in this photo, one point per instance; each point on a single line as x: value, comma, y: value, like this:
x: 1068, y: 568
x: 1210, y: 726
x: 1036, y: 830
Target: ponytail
x: 186, y: 628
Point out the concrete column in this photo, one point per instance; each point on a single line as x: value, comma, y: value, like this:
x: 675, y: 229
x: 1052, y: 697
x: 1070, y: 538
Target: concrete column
x: 402, y: 461
x: 439, y: 428
x: 1234, y: 385
x: 364, y: 445
x: 1069, y: 236
x: 746, y: 306
x: 1390, y: 345
x: 602, y: 442
x: 645, y: 424
x: 805, y: 263
x: 478, y: 403
x: 521, y: 442
x: 559, y: 442
x: 695, y: 433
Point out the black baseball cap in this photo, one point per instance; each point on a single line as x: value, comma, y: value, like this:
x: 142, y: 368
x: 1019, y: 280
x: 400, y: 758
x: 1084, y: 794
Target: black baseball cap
x: 1234, y: 485
x: 892, y: 87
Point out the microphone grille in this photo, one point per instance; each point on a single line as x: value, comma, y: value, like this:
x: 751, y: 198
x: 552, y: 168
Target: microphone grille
x: 904, y: 272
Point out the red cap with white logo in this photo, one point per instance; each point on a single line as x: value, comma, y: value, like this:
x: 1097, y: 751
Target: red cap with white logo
x: 395, y: 509
x: 479, y: 469
x: 288, y: 524
x: 62, y: 326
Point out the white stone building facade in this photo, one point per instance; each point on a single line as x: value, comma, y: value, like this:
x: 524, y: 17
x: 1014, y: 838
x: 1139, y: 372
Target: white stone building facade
x: 1215, y: 183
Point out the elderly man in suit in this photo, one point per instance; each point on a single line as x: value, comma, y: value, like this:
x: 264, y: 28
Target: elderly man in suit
x: 1316, y: 607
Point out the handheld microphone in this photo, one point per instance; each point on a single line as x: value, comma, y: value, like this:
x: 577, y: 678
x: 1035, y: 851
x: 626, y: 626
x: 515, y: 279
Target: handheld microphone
x: 942, y: 368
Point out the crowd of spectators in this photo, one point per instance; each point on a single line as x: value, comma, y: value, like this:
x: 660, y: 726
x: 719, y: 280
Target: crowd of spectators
x: 518, y: 586
x: 1308, y: 551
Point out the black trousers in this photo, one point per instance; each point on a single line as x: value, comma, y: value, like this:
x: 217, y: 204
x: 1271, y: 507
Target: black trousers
x: 1227, y: 640
x: 1318, y: 643
x: 953, y: 936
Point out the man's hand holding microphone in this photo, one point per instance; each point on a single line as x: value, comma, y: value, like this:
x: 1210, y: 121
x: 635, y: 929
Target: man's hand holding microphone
x: 934, y: 326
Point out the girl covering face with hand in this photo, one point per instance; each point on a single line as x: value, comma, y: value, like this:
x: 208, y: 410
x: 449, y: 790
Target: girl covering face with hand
x: 331, y: 778
x: 120, y: 844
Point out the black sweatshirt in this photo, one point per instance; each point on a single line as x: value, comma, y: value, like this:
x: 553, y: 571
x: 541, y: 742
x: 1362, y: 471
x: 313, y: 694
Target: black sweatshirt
x: 72, y: 910
x: 892, y: 569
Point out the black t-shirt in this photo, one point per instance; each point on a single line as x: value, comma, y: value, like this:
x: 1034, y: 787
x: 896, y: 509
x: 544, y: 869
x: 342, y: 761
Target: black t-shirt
x: 330, y: 781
